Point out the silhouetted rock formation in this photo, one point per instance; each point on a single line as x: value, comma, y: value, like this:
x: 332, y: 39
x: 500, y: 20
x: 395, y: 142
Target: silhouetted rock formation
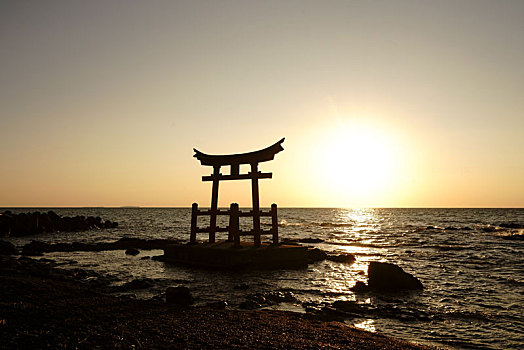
x: 360, y: 287
x: 342, y: 258
x: 7, y: 248
x: 388, y: 277
x: 37, y: 247
x: 314, y: 255
x: 132, y: 251
x: 179, y: 295
x: 24, y: 224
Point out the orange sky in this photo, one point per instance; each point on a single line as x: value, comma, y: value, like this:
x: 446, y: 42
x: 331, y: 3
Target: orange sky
x: 383, y: 104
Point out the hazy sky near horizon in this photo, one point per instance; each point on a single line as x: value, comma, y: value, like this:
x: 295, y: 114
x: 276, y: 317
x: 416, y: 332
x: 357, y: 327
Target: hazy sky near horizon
x: 382, y: 103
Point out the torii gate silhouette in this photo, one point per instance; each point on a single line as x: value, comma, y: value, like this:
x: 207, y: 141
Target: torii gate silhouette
x: 234, y: 161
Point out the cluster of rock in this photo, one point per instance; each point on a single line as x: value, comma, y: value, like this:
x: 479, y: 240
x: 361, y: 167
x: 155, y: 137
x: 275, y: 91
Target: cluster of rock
x: 387, y: 277
x: 7, y: 248
x: 341, y: 310
x: 258, y: 300
x: 24, y: 224
x: 131, y: 245
x: 316, y: 254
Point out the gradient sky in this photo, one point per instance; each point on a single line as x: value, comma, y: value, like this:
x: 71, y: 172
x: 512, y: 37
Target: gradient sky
x: 382, y: 103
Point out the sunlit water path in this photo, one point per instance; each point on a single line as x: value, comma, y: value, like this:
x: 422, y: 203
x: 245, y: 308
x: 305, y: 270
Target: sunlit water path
x: 473, y: 278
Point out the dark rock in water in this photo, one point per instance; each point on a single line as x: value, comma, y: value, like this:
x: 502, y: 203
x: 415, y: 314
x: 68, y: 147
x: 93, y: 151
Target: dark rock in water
x: 179, y: 296
x: 249, y: 305
x: 34, y: 223
x: 311, y: 240
x: 342, y: 258
x: 139, y: 283
x: 360, y: 287
x: 241, y: 286
x: 289, y: 241
x: 7, y: 248
x: 279, y: 297
x: 35, y: 248
x: 512, y: 225
x: 132, y: 251
x: 347, y: 306
x: 219, y: 305
x: 330, y: 314
x: 314, y: 255
x: 258, y: 298
x: 515, y: 237
x: 386, y: 277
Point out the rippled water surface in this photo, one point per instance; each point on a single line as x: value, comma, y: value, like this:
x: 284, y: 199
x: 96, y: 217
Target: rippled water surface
x: 473, y: 277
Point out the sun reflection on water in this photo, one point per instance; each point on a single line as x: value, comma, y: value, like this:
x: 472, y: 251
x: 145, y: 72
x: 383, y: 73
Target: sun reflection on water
x: 366, y: 324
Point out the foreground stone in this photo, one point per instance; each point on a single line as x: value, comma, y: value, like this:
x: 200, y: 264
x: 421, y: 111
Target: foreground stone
x: 7, y: 248
x: 179, y: 296
x: 38, y: 247
x: 388, y: 277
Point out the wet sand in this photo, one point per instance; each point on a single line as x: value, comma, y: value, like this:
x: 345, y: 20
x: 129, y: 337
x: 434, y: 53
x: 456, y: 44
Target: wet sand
x: 46, y: 307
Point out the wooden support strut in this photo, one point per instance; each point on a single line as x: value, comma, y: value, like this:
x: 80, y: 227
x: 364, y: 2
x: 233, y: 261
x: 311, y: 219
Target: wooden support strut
x: 234, y: 224
x: 214, y: 204
x: 274, y: 223
x: 256, y: 204
x: 194, y: 216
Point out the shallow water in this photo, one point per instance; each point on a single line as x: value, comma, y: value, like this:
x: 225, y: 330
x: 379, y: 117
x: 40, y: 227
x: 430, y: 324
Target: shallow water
x: 473, y: 278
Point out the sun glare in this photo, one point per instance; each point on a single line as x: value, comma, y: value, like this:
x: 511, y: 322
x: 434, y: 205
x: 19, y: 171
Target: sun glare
x: 358, y: 162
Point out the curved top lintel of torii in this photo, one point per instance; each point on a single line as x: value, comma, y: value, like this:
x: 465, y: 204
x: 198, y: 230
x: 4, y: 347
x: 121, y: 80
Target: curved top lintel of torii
x: 262, y: 155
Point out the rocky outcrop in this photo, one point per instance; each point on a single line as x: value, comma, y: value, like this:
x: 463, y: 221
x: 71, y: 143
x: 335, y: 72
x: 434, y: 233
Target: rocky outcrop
x: 386, y: 277
x: 179, y: 296
x: 342, y: 258
x: 132, y: 251
x: 315, y: 254
x: 24, y: 224
x: 7, y: 248
x: 38, y: 247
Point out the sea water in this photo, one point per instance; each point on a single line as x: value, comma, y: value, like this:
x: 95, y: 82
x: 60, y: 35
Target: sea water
x: 473, y: 275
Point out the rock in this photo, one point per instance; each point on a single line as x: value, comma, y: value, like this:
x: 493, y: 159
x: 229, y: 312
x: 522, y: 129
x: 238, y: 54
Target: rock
x: 35, y: 248
x: 330, y: 314
x: 512, y: 225
x: 342, y: 258
x: 386, y: 277
x: 139, y: 283
x: 241, y: 286
x: 179, y: 296
x: 314, y: 255
x: 7, y: 248
x: 514, y: 237
x: 258, y: 298
x: 219, y: 305
x: 360, y: 287
x: 279, y: 297
x: 289, y: 241
x: 132, y: 251
x: 249, y: 305
x: 347, y: 306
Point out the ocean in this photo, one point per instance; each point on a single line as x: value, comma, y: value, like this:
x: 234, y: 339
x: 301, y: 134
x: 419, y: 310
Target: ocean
x: 472, y: 273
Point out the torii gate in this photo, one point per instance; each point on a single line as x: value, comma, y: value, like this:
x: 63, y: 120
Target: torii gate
x: 234, y: 161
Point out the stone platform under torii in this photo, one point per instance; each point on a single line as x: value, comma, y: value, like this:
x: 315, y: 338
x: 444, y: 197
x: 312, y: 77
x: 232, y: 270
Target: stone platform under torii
x: 224, y: 255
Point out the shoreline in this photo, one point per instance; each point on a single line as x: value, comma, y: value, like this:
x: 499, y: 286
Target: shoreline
x: 47, y: 307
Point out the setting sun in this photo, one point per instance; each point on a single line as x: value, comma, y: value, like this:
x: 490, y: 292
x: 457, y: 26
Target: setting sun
x: 357, y: 161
